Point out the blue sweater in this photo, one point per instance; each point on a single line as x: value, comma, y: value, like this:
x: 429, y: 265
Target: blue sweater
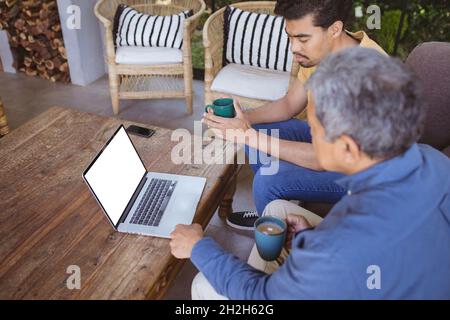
x: 389, y: 238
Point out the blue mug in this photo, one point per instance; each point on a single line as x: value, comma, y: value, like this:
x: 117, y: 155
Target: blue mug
x: 270, y: 236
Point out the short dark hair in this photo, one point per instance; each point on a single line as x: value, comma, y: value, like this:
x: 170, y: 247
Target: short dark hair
x: 325, y: 12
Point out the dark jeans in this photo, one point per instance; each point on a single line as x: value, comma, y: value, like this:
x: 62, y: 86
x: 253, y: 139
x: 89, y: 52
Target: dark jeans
x: 292, y: 182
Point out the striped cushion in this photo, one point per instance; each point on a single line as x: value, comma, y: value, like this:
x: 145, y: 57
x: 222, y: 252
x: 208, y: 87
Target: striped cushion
x: 132, y: 28
x: 256, y: 40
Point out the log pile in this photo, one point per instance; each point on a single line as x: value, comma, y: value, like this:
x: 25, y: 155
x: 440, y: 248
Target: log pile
x: 35, y: 37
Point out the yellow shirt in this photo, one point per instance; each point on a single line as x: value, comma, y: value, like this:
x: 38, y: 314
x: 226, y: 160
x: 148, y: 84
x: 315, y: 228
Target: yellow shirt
x: 364, y: 41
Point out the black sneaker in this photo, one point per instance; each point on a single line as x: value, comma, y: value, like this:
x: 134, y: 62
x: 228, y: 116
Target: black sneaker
x: 244, y: 220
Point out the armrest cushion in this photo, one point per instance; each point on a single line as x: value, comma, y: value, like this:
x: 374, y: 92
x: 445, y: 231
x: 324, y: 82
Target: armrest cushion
x: 446, y: 151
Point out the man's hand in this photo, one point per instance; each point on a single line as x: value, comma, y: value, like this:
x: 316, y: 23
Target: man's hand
x: 295, y: 223
x: 184, y: 238
x: 238, y: 126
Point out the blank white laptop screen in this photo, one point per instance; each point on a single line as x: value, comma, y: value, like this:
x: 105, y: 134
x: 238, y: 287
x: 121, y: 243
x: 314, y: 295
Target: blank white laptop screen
x: 115, y: 175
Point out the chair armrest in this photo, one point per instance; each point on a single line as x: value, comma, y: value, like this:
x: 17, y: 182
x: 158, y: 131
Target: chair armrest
x: 213, y: 44
x: 105, y: 11
x: 192, y: 22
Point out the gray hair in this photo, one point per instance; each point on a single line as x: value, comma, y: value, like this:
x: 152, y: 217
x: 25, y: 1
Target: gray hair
x: 370, y: 97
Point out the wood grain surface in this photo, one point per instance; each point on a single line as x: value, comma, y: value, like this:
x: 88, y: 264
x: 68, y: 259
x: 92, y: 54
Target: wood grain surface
x: 50, y: 221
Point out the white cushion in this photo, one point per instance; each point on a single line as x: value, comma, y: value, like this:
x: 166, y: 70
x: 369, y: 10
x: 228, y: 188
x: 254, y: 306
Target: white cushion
x: 252, y: 82
x: 148, y: 55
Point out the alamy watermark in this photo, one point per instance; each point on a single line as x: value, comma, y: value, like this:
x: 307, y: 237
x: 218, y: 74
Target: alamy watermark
x: 374, y: 19
x: 73, y: 21
x: 374, y: 280
x: 201, y: 148
x: 73, y: 282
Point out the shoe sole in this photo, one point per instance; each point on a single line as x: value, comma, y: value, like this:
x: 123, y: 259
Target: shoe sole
x: 236, y: 226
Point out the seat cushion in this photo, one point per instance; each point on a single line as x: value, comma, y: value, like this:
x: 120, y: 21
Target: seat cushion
x: 148, y: 55
x: 252, y: 82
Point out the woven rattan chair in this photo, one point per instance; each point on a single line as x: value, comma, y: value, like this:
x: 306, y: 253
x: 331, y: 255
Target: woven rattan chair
x: 130, y: 81
x: 213, y: 35
x: 4, y: 129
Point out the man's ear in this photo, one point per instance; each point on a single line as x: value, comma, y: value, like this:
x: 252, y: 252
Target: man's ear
x: 349, y: 150
x: 336, y: 29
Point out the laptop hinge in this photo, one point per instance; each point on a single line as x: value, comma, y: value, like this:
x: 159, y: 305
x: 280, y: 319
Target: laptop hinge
x: 132, y: 200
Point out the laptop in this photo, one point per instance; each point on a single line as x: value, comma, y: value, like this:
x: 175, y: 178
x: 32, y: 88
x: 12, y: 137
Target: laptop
x: 137, y: 201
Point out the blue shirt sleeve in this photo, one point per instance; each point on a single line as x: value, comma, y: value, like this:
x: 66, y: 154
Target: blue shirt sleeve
x: 306, y: 274
x: 229, y: 275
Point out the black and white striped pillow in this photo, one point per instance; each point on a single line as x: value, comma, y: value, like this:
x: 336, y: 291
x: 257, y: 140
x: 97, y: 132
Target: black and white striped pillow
x: 132, y: 28
x: 256, y: 39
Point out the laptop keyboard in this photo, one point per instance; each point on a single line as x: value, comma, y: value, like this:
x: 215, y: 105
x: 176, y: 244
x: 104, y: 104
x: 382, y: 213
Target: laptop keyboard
x: 152, y: 205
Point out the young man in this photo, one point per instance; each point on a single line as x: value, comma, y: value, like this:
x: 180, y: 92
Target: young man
x: 316, y: 29
x: 389, y: 237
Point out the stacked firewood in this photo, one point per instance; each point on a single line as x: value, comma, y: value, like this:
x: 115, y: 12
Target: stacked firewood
x: 35, y: 37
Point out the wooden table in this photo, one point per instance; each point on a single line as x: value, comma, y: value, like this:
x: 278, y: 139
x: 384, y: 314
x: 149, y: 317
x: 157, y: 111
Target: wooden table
x: 50, y: 221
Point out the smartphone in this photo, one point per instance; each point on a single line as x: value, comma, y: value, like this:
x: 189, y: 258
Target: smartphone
x: 140, y: 131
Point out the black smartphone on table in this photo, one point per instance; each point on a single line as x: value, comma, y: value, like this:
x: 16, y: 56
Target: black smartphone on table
x: 140, y: 131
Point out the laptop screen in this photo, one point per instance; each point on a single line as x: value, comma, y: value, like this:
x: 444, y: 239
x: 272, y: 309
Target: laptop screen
x: 115, y: 174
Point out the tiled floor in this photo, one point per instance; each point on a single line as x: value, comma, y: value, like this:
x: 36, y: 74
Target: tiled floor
x: 25, y: 98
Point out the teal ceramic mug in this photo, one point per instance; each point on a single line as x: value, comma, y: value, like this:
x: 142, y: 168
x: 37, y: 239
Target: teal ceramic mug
x: 270, y: 236
x: 223, y: 108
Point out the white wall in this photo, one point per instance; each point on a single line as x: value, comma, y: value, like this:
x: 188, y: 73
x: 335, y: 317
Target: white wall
x: 85, y: 45
x: 103, y: 37
x: 5, y: 53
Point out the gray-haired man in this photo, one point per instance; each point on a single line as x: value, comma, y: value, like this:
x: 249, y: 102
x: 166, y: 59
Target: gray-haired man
x: 389, y: 237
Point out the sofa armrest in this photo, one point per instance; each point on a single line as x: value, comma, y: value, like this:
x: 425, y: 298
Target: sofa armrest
x: 446, y: 151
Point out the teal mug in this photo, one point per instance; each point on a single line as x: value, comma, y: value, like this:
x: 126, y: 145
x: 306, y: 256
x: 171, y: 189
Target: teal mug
x: 223, y: 108
x: 270, y: 236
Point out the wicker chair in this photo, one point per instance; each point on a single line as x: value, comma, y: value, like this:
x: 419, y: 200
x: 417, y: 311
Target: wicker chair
x: 4, y: 129
x: 130, y: 81
x: 213, y: 43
